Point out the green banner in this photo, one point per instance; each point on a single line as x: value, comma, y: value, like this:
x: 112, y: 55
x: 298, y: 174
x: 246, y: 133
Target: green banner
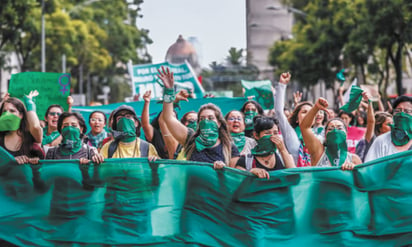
x: 132, y: 202
x: 53, y: 88
x: 262, y: 92
x: 144, y: 77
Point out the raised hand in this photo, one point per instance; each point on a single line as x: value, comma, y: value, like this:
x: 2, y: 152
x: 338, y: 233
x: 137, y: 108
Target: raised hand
x: 166, y: 76
x: 322, y: 104
x: 285, y: 78
x: 182, y: 95
x: 147, y: 95
x: 365, y: 96
x: 297, y: 97
x: 70, y: 100
x: 33, y: 94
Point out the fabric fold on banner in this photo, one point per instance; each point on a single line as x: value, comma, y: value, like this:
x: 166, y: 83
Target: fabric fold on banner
x: 173, y: 203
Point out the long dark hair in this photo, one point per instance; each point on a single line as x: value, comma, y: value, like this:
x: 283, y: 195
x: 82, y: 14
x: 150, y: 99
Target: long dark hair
x: 23, y: 130
x: 262, y: 123
x: 258, y: 106
x: 294, y: 115
x: 224, y: 134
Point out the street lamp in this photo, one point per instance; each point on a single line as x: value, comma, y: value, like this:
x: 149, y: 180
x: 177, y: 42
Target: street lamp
x: 43, y: 39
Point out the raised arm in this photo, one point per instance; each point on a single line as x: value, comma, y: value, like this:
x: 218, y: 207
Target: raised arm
x: 70, y: 102
x: 313, y: 144
x: 370, y: 124
x: 176, y: 128
x: 147, y: 127
x: 170, y: 142
x: 33, y: 120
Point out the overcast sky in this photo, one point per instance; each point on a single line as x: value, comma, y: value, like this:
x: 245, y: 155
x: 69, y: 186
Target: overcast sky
x: 216, y: 24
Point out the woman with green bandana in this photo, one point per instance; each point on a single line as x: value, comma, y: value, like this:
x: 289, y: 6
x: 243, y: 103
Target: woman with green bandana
x: 289, y: 127
x: 399, y: 139
x: 334, y: 151
x: 236, y: 125
x: 270, y: 153
x: 189, y: 119
x: 20, y: 131
x: 97, y: 122
x: 211, y: 142
x: 51, y: 136
x: 250, y: 109
x: 72, y: 128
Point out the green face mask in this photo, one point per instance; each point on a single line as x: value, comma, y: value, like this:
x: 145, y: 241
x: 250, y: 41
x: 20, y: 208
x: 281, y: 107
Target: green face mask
x: 192, y: 124
x: 9, y: 122
x: 126, y: 129
x: 401, y: 131
x: 264, y: 147
x: 336, y: 147
x: 239, y: 139
x: 209, y: 133
x: 71, y: 142
x: 249, y: 115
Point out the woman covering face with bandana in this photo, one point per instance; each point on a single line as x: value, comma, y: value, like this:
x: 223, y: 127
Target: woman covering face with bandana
x: 334, y: 151
x: 236, y: 125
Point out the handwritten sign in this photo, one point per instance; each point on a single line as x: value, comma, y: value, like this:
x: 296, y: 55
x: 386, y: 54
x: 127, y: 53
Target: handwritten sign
x: 53, y: 88
x: 144, y: 77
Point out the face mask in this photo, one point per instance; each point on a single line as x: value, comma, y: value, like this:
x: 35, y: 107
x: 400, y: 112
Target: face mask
x: 192, y: 124
x: 9, y: 122
x: 126, y: 130
x: 249, y: 115
x: 264, y: 147
x: 401, y: 131
x: 209, y: 133
x: 336, y: 147
x: 71, y: 142
x: 239, y: 139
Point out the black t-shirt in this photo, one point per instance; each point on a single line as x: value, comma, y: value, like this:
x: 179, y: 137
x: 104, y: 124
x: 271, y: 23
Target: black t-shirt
x: 35, y: 150
x: 159, y: 144
x: 213, y: 154
x: 278, y: 166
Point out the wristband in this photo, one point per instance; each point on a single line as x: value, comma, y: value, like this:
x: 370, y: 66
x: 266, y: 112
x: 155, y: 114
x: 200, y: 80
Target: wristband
x: 29, y: 103
x: 168, y: 95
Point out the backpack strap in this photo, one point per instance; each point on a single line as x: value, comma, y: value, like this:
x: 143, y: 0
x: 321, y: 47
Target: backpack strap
x: 144, y: 148
x: 112, y: 148
x: 249, y: 161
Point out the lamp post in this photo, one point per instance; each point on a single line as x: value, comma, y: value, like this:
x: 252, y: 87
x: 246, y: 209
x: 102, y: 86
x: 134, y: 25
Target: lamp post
x: 43, y: 40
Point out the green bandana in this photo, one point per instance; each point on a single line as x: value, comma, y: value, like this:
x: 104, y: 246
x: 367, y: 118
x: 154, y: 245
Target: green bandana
x: 401, y: 131
x: 71, y: 142
x: 127, y: 130
x: 49, y: 138
x: 249, y: 115
x: 336, y: 147
x: 209, y: 133
x: 169, y: 95
x: 239, y: 139
x: 299, y: 134
x: 264, y: 147
x: 355, y: 98
x: 9, y: 122
x: 29, y: 103
x: 192, y: 124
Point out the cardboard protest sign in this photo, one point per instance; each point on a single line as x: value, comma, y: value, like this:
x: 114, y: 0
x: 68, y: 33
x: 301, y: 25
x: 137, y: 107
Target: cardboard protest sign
x: 53, y: 88
x: 262, y: 90
x: 144, y: 77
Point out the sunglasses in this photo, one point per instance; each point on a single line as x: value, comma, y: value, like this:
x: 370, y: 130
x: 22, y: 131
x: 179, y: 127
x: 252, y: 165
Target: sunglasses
x: 54, y: 114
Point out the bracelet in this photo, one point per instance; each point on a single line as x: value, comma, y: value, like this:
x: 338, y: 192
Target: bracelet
x: 168, y: 95
x: 29, y: 103
x: 167, y: 135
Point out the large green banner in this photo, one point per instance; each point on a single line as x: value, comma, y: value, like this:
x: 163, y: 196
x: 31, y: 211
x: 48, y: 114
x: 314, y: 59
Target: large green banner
x: 131, y: 202
x: 144, y: 77
x: 261, y: 91
x: 53, y: 88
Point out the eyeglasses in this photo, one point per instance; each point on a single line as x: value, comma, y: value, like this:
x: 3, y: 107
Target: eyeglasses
x: 54, y: 114
x: 399, y: 110
x: 98, y: 120
x: 232, y: 119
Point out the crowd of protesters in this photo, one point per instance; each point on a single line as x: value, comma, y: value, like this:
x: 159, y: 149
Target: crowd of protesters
x: 310, y: 134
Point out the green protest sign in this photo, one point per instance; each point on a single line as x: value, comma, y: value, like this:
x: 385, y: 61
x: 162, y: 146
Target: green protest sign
x: 53, y: 88
x: 261, y: 90
x: 144, y: 77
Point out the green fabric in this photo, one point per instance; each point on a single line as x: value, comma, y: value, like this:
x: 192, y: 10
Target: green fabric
x: 9, y: 122
x: 209, y: 133
x: 130, y: 202
x: 71, y: 141
x: 262, y: 90
x: 355, y: 97
x: 336, y: 147
x: 299, y: 134
x: 239, y: 139
x: 49, y: 138
x: 401, y: 131
x: 249, y: 115
x: 127, y: 129
x: 340, y: 76
x: 192, y: 124
x: 264, y: 147
x: 168, y: 95
x: 29, y: 103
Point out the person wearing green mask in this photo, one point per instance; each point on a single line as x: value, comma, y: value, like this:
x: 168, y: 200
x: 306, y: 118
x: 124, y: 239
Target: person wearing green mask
x: 72, y: 128
x: 399, y: 138
x: 270, y: 153
x: 20, y: 131
x: 236, y: 125
x: 250, y: 109
x: 334, y: 151
x: 189, y: 119
x: 126, y: 142
x: 211, y: 142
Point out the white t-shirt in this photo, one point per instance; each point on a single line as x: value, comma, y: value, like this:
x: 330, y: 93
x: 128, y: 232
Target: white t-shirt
x: 381, y: 147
